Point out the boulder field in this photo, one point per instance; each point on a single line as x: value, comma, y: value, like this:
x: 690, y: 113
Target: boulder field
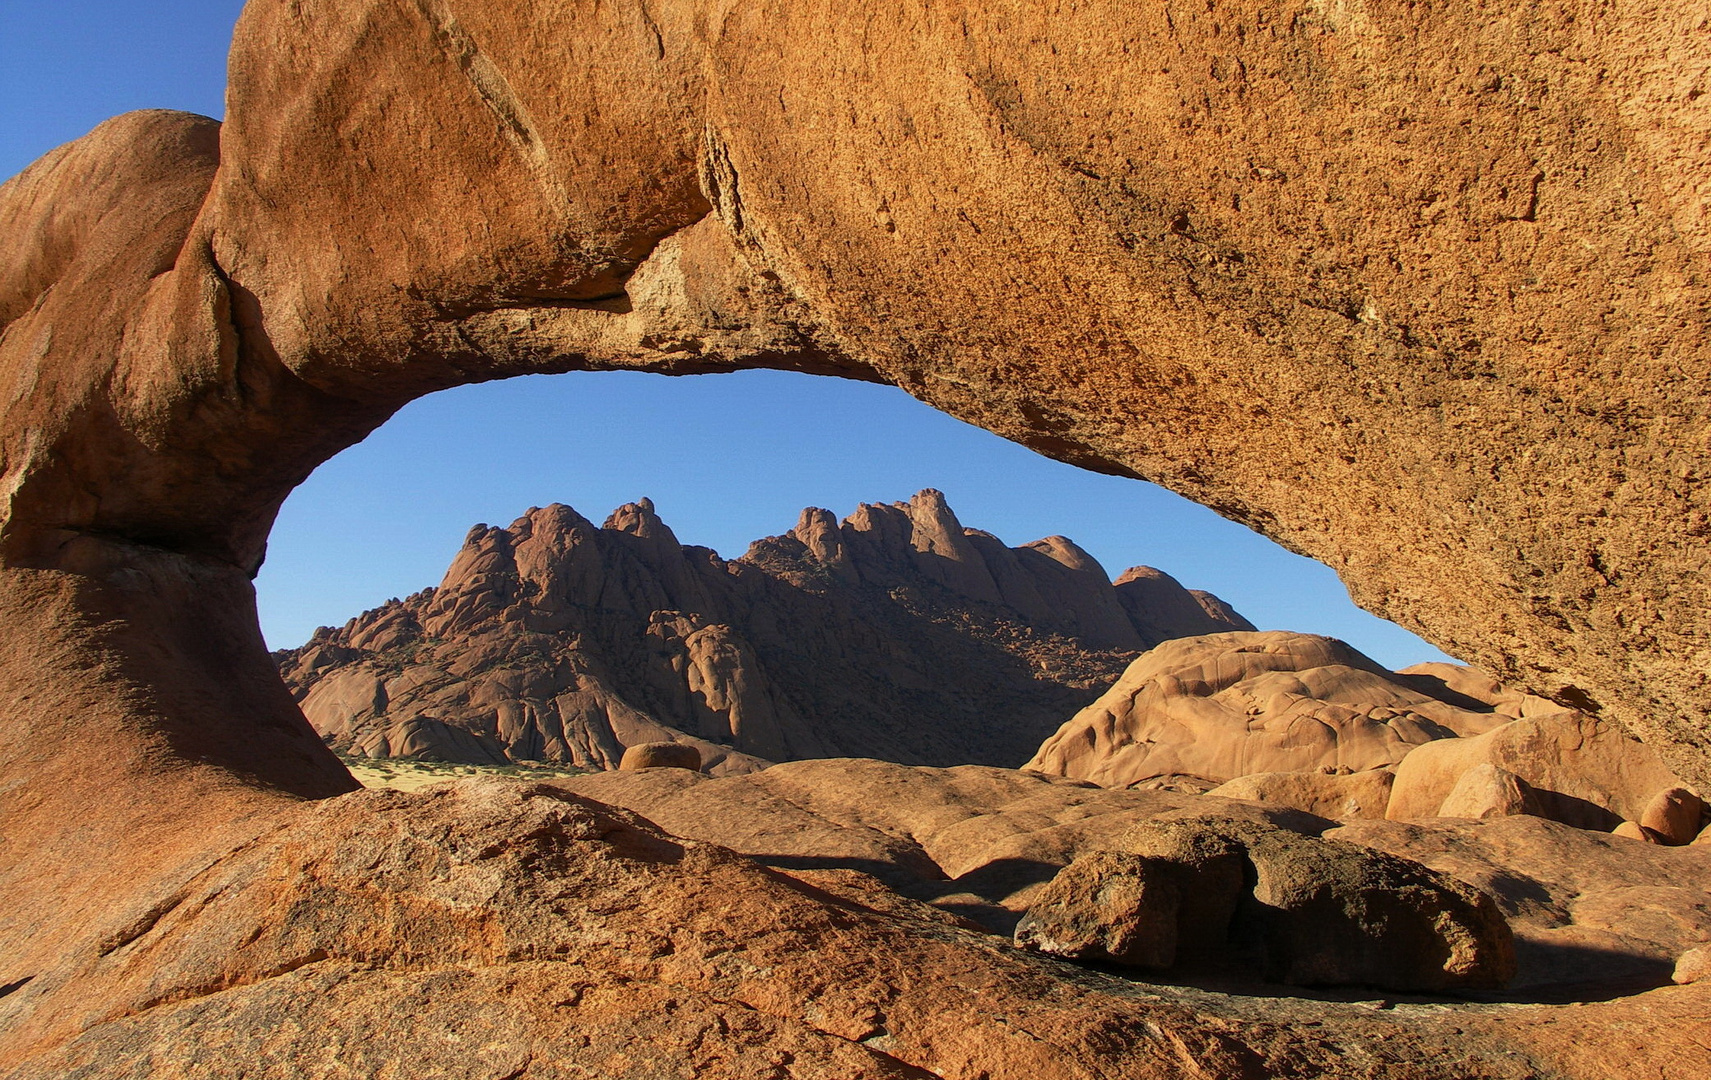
x: 1418, y: 290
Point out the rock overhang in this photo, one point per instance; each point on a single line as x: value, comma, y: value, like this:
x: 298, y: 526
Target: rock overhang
x: 1408, y: 290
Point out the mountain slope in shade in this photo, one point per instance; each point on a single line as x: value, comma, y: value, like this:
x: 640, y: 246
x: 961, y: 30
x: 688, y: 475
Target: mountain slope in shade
x: 895, y: 634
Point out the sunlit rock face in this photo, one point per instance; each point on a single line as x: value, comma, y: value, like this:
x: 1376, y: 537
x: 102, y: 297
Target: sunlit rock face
x: 1232, y: 705
x: 1336, y: 272
x: 1418, y: 290
x: 1306, y: 721
x: 896, y: 634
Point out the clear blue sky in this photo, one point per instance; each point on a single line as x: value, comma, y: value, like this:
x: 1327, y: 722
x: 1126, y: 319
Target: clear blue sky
x: 726, y: 458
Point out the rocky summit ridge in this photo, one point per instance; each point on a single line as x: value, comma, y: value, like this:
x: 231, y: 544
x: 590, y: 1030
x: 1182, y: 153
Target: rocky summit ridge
x: 896, y: 633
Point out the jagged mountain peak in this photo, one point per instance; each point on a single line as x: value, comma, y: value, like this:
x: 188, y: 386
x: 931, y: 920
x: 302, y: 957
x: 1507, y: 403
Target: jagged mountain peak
x: 895, y: 633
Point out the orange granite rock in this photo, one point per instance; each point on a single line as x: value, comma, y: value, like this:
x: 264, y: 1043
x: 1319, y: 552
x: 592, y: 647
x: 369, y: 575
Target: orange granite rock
x: 1415, y: 289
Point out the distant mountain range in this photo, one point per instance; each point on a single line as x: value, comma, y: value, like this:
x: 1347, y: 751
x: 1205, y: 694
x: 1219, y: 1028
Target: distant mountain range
x: 894, y: 634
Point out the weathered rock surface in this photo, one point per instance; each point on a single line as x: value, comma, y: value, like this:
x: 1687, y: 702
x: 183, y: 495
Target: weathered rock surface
x: 896, y: 634
x: 1587, y: 908
x: 502, y: 926
x: 1578, y: 769
x: 498, y: 928
x: 1229, y: 705
x: 1329, y: 913
x: 1109, y: 905
x: 1488, y: 791
x: 1694, y: 966
x: 975, y: 839
x: 1323, y: 792
x: 1459, y: 683
x: 1416, y: 289
x: 1304, y: 911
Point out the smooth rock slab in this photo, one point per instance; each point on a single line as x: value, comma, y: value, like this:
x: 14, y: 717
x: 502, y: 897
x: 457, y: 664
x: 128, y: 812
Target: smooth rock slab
x: 1335, y: 795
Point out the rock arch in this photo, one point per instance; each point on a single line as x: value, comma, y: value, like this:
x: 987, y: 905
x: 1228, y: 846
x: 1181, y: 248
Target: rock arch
x: 1419, y: 292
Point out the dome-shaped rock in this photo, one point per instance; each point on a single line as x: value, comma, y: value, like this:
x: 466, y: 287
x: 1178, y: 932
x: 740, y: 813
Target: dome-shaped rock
x: 660, y: 755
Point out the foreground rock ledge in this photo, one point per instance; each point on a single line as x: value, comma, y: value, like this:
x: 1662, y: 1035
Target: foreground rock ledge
x: 499, y: 928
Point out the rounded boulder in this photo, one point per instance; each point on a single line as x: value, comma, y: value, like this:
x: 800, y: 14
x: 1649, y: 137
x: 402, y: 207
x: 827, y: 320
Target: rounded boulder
x: 1674, y: 815
x: 661, y: 755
